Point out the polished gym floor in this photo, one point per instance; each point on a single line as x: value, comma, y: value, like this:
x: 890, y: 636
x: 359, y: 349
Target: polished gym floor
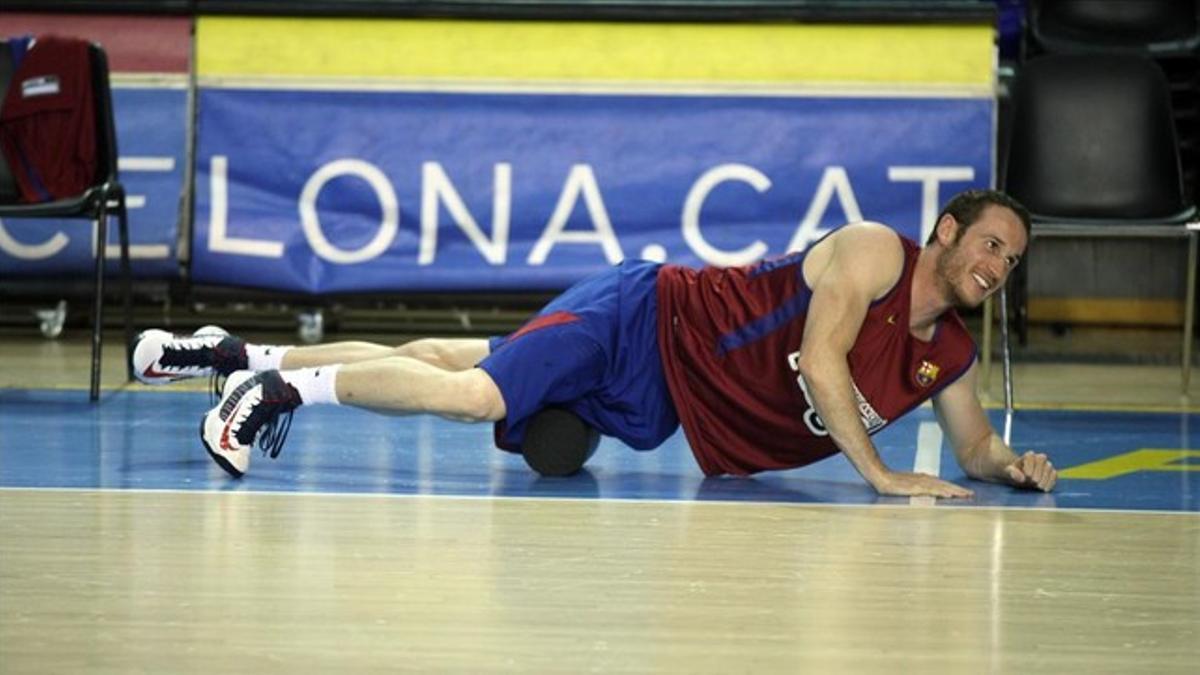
x: 410, y: 544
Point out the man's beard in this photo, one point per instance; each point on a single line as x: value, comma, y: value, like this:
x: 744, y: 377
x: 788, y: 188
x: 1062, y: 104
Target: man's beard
x: 948, y: 269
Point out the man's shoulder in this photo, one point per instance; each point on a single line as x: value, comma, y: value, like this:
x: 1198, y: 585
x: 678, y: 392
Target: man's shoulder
x: 869, y: 229
x: 871, y: 252
x: 870, y: 239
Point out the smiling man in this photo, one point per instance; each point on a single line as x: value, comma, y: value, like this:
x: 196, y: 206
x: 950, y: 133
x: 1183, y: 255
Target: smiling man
x: 769, y: 366
x: 867, y: 320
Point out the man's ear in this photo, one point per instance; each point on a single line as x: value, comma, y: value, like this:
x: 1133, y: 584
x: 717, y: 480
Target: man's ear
x: 947, y: 230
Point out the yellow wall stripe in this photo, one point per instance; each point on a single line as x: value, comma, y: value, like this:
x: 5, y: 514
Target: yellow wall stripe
x: 889, y: 55
x: 1125, y: 311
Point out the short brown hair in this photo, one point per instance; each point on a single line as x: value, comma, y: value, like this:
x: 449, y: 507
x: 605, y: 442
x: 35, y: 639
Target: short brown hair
x: 966, y: 207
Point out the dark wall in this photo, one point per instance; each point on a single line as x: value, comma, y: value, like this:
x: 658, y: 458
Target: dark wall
x: 923, y: 11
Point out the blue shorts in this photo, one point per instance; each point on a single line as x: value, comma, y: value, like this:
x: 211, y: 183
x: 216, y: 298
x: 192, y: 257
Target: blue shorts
x: 594, y: 351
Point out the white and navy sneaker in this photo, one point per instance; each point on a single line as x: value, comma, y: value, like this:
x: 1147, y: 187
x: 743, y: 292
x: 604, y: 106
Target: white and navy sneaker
x: 160, y: 357
x: 249, y: 411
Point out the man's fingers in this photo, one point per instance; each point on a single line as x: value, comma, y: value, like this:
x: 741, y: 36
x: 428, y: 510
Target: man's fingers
x: 1036, y: 472
x: 963, y: 492
x: 1033, y: 470
x: 1047, y: 471
x: 1049, y: 477
x: 952, y: 490
x: 1014, y: 474
x: 916, y: 484
x: 1041, y: 470
x: 942, y: 488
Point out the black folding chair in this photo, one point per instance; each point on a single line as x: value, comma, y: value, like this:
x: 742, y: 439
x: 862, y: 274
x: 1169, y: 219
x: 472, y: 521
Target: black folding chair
x: 1094, y: 153
x: 105, y: 198
x: 1151, y: 27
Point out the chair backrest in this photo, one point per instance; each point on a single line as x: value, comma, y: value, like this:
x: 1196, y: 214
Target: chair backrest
x: 102, y: 122
x: 8, y: 184
x: 106, y: 129
x: 1093, y: 138
x: 1089, y: 25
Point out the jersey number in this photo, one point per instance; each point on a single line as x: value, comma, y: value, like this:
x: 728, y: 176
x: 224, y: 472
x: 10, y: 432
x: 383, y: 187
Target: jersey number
x: 871, y: 420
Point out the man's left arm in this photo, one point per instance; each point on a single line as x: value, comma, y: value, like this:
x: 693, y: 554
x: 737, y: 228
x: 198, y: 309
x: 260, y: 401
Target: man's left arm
x: 981, y: 452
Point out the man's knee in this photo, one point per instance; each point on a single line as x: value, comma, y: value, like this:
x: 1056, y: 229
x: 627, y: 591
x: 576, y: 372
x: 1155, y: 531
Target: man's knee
x: 481, y: 400
x: 445, y: 353
x: 424, y: 349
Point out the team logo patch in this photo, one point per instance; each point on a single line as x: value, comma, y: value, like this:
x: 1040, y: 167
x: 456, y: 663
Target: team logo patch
x: 927, y: 373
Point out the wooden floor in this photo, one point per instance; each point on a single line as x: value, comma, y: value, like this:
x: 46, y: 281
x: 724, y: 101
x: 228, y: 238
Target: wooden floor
x: 122, y: 581
x: 168, y: 582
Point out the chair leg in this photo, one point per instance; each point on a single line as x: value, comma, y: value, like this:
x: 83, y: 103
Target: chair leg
x: 126, y: 284
x: 1021, y: 303
x: 98, y: 323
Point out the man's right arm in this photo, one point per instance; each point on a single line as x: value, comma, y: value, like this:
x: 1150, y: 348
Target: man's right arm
x: 865, y: 261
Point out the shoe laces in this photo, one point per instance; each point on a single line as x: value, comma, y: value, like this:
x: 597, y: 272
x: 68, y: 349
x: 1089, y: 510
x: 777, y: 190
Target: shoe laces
x: 216, y: 385
x: 279, y: 400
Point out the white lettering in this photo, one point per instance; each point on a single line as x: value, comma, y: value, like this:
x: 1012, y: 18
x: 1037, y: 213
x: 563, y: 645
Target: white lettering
x: 436, y: 186
x: 833, y: 180
x: 581, y: 180
x: 218, y: 239
x: 57, y: 242
x: 872, y: 421
x: 695, y: 202
x: 309, y: 220
x: 930, y: 178
x: 159, y: 164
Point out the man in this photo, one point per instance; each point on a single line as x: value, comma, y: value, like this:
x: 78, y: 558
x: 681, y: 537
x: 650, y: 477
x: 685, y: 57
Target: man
x: 769, y: 366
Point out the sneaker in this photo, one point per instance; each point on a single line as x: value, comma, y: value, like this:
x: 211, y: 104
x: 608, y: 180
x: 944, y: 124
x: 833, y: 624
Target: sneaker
x: 160, y: 357
x: 249, y: 411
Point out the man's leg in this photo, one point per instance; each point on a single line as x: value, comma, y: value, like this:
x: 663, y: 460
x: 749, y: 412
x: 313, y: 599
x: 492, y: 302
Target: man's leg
x: 160, y: 357
x: 446, y: 353
x: 252, y: 404
x: 403, y: 385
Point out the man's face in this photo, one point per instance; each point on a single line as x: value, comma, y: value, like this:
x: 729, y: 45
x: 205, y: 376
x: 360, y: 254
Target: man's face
x: 979, y: 262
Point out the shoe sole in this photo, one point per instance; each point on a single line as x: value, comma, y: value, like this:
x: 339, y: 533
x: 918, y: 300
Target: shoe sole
x: 216, y: 456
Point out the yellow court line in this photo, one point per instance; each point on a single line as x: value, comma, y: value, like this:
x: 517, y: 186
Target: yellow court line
x: 892, y: 55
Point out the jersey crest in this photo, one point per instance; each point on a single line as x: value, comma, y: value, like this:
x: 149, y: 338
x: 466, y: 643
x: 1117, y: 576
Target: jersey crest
x: 926, y: 373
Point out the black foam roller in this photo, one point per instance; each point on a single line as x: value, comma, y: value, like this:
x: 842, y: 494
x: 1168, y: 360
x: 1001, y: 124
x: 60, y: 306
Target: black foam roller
x: 558, y: 443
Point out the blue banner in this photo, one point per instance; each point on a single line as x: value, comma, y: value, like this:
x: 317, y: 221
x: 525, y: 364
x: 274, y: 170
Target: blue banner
x: 151, y: 139
x: 334, y: 191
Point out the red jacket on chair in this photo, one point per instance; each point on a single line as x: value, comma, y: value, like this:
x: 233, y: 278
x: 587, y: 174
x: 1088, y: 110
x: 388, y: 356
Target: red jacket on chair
x: 48, y: 121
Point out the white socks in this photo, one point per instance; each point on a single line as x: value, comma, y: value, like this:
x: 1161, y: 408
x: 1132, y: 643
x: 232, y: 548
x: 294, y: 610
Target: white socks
x: 265, y: 357
x: 315, y: 385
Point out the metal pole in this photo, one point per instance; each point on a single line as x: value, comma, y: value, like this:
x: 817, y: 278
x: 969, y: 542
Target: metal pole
x: 1008, y: 386
x: 1189, y: 311
x: 987, y: 343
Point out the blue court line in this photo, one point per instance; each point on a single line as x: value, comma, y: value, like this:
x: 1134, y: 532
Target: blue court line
x: 136, y: 439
